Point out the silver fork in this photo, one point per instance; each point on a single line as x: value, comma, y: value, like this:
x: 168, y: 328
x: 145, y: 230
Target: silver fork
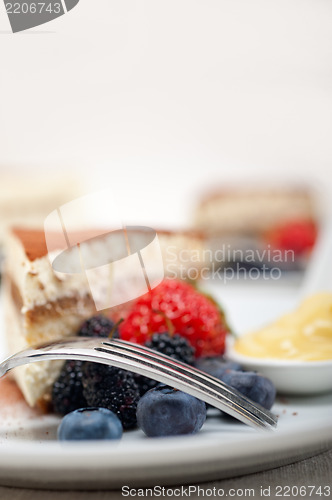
x: 144, y: 361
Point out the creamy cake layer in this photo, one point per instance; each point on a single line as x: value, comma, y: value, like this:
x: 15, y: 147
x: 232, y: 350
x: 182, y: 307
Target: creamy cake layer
x: 29, y: 268
x: 36, y: 379
x: 49, y: 321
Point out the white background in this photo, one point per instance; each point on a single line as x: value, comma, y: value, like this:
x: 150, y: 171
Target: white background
x: 160, y: 99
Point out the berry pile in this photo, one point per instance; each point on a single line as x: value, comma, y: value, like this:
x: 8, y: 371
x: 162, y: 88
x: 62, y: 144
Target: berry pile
x: 96, y: 399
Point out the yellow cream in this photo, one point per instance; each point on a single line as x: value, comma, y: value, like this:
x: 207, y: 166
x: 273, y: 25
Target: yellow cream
x: 305, y: 334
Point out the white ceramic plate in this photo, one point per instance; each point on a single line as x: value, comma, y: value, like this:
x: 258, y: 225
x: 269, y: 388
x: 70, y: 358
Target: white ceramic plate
x: 30, y: 455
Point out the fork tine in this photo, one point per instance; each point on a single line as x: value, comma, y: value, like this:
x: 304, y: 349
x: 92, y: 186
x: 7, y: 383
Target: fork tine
x: 186, y: 370
x: 157, y: 355
x: 228, y: 398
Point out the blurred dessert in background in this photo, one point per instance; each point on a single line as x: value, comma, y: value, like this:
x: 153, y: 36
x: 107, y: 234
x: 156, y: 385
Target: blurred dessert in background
x: 257, y: 226
x: 253, y: 210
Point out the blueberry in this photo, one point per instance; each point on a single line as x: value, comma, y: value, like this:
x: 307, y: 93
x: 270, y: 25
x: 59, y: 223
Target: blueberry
x: 89, y: 423
x: 216, y: 366
x: 253, y: 385
x: 164, y: 411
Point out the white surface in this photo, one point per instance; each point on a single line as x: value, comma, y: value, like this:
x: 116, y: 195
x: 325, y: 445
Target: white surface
x: 223, y: 448
x: 252, y: 304
x: 163, y: 98
x: 318, y: 276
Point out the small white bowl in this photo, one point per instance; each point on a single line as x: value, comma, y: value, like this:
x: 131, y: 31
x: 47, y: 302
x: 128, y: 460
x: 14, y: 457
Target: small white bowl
x: 289, y: 377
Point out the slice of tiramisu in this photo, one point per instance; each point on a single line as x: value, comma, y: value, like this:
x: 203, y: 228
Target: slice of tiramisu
x: 40, y: 305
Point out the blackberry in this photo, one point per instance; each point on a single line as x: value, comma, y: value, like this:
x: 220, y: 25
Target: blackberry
x: 67, y: 391
x: 175, y: 346
x: 113, y: 388
x: 98, y: 326
x: 144, y: 384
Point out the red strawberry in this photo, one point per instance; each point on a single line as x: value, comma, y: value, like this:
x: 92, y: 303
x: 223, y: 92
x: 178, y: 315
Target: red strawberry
x: 296, y: 235
x: 194, y: 316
